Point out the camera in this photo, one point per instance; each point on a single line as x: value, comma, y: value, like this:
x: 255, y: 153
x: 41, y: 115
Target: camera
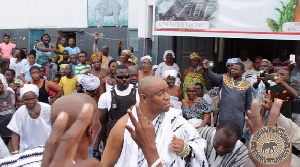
x: 268, y: 76
x: 210, y: 64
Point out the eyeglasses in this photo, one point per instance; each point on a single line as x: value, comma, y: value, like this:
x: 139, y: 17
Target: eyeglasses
x: 123, y: 76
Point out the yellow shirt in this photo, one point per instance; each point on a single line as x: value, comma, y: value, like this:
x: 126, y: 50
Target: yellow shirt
x: 60, y: 48
x: 68, y: 84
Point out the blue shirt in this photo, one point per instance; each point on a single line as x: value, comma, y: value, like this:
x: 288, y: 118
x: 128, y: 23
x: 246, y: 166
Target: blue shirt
x: 72, y: 51
x: 25, y: 71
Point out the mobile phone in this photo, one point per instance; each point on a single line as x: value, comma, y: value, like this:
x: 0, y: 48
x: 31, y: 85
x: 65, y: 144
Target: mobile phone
x: 210, y: 64
x: 270, y: 77
x: 292, y: 58
x: 262, y: 74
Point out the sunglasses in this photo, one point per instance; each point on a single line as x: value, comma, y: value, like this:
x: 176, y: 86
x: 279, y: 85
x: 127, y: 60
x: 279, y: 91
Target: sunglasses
x: 123, y: 76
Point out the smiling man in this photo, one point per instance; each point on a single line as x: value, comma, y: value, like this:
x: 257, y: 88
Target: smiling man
x: 177, y: 141
x: 223, y: 145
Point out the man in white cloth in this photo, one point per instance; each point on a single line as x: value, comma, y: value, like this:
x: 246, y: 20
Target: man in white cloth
x: 177, y: 141
x: 223, y: 145
x: 3, y: 149
x: 30, y: 124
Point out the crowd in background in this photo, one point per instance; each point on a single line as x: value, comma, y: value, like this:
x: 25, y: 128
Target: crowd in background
x: 30, y: 82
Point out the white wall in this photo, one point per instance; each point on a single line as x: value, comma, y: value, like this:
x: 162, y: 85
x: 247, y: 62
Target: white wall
x: 43, y: 14
x: 133, y: 13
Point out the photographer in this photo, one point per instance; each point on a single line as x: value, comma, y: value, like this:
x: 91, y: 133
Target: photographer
x: 236, y: 93
x: 282, y: 90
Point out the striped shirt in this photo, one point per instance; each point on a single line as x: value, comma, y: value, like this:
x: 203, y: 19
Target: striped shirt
x: 29, y: 158
x: 80, y: 68
x: 236, y: 158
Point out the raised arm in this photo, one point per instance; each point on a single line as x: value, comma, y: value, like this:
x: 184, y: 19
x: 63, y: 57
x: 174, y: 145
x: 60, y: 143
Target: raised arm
x: 217, y: 78
x: 120, y: 48
x: 95, y: 47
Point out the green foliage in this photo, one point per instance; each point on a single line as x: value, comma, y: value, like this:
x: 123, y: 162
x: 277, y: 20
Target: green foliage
x: 286, y: 15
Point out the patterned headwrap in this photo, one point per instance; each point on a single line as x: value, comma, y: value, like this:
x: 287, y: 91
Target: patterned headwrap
x: 194, y: 55
x: 167, y: 52
x: 232, y: 61
x: 131, y: 58
x: 146, y: 57
x: 97, y: 55
x: 266, y: 60
x: 89, y: 82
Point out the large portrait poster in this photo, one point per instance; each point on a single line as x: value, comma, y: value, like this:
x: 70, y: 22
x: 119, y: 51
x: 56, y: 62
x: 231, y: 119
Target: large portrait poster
x: 265, y: 19
x: 107, y: 13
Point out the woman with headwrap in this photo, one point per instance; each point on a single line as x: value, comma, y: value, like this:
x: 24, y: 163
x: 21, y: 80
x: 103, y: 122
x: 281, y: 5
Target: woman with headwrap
x: 168, y: 64
x: 7, y: 100
x: 195, y: 109
x: 193, y: 74
x: 175, y: 93
x: 109, y: 81
x: 31, y: 123
x: 96, y: 70
x: 127, y: 58
x: 91, y: 85
x: 146, y: 67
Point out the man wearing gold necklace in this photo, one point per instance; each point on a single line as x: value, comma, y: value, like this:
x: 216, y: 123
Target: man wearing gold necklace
x: 236, y: 93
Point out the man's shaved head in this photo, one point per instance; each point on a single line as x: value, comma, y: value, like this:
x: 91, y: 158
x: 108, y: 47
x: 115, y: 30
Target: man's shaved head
x: 133, y: 69
x: 72, y: 105
x: 146, y: 83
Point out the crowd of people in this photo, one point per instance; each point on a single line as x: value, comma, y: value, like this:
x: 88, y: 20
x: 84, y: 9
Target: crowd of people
x: 154, y: 115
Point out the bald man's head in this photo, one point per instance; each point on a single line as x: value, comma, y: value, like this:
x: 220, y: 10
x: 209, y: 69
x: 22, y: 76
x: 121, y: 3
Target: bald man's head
x: 154, y: 94
x: 72, y: 105
x: 146, y: 83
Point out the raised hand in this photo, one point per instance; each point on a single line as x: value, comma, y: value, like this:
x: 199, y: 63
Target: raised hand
x: 120, y: 44
x: 143, y: 135
x: 61, y: 147
x: 204, y: 63
x: 97, y: 36
x: 254, y: 120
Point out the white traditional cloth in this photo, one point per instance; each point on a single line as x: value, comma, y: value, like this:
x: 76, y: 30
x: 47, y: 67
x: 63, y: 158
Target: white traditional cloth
x: 175, y: 102
x: 33, y: 132
x: 4, y: 152
x: 17, y: 66
x: 166, y: 125
x: 236, y: 158
x: 29, y: 88
x: 29, y: 158
x: 146, y: 57
x: 172, y: 73
x: 154, y: 66
x: 89, y: 82
x: 248, y: 63
x: 162, y: 67
x: 167, y: 52
x: 232, y: 61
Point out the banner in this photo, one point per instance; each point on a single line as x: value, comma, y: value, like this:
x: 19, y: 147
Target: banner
x: 107, y: 13
x: 262, y: 19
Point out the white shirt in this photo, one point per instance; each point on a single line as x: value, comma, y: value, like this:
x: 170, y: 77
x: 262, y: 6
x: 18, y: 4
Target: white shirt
x: 105, y: 98
x: 208, y: 99
x: 33, y: 132
x: 17, y: 66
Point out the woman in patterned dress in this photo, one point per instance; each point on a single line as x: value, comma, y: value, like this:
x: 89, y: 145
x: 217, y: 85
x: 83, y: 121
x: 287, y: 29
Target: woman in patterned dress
x: 195, y: 109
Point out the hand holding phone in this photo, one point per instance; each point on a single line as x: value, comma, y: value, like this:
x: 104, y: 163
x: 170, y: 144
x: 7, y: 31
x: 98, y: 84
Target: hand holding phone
x: 292, y: 58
